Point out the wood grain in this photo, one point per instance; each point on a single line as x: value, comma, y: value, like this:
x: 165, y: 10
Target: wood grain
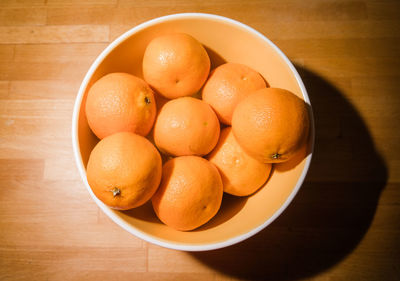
x: 42, y: 89
x: 53, y: 34
x: 43, y: 70
x: 6, y: 53
x: 58, y: 52
x: 21, y: 3
x: 23, y: 16
x: 343, y: 225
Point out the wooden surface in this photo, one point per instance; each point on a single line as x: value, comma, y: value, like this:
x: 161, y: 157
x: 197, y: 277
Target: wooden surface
x: 343, y: 225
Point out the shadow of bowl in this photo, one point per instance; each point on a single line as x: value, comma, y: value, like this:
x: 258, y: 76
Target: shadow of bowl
x: 334, y: 208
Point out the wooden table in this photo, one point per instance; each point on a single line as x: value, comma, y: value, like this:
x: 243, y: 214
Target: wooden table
x: 343, y: 225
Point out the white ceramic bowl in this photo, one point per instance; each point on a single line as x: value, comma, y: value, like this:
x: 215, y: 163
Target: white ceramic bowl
x: 225, y: 40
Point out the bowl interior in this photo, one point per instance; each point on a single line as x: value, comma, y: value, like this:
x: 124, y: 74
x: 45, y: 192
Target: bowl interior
x: 225, y: 41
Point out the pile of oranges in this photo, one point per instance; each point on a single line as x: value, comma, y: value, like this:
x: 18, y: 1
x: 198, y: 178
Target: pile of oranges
x: 139, y: 120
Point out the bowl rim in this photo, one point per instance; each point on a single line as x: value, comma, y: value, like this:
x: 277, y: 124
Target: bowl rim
x: 118, y: 220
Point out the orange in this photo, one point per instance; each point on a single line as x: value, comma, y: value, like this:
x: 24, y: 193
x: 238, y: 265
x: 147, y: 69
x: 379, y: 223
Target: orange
x: 190, y: 193
x: 124, y: 170
x: 271, y: 124
x: 176, y: 65
x: 241, y: 174
x: 120, y: 102
x: 186, y: 126
x: 227, y: 85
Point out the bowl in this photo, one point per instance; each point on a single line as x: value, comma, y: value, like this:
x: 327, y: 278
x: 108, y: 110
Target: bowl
x: 225, y: 40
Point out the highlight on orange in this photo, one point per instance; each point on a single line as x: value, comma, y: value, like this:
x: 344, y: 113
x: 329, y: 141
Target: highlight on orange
x: 124, y: 170
x: 229, y: 84
x: 186, y: 126
x: 241, y: 174
x: 190, y: 193
x: 271, y: 124
x: 120, y: 102
x: 175, y: 65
